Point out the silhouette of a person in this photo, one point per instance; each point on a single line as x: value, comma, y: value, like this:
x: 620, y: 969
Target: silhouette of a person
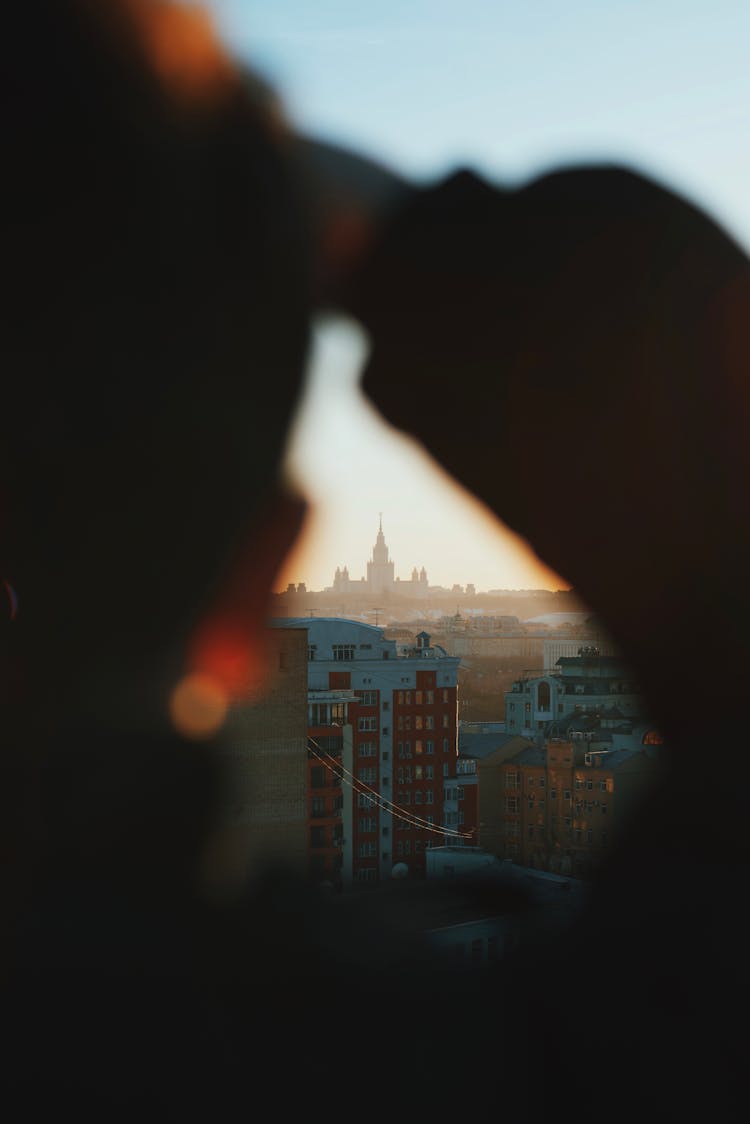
x: 163, y: 266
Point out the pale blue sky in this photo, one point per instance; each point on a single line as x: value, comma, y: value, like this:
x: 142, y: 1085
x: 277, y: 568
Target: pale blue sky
x: 510, y: 89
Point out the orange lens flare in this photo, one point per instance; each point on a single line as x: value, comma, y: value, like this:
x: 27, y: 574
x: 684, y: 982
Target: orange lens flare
x: 183, y: 47
x: 198, y: 706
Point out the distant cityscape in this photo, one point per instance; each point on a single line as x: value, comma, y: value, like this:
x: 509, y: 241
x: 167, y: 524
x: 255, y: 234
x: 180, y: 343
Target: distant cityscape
x: 439, y: 741
x: 380, y: 596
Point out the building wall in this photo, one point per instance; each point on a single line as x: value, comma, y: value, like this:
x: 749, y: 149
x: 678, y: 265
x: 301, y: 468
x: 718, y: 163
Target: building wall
x: 562, y: 811
x: 491, y: 796
x: 402, y: 708
x: 263, y: 814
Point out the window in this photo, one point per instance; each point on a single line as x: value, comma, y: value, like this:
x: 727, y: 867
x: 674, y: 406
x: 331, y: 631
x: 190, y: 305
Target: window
x: 418, y: 698
x: 604, y: 809
x: 567, y: 794
x: 367, y: 724
x: 579, y: 782
x: 384, y: 755
x: 446, y: 769
x: 429, y: 747
x: 369, y: 874
x: 589, y: 785
x: 460, y: 792
x: 429, y: 697
x: 407, y: 846
x: 367, y: 698
x: 446, y: 720
x: 417, y: 797
x: 368, y: 824
x: 311, y: 650
x: 542, y: 782
x: 512, y: 780
x: 445, y: 695
x: 511, y: 803
x: 511, y: 827
x: 418, y: 772
x: 446, y: 745
x: 417, y: 721
x: 429, y: 773
x: 365, y: 801
x: 429, y: 722
x: 553, y: 794
x: 367, y: 850
x: 386, y: 705
x: 407, y: 698
x: 319, y: 777
x: 318, y: 806
x: 368, y: 775
x: 343, y: 652
x: 429, y: 797
x: 604, y: 786
x: 385, y: 731
x: 543, y: 696
x: 401, y: 749
x: 603, y: 836
x: 530, y: 782
x: 367, y: 749
x: 385, y: 831
x: 418, y: 746
x: 419, y: 846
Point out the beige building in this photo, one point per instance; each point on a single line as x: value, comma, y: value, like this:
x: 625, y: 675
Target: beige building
x: 263, y: 819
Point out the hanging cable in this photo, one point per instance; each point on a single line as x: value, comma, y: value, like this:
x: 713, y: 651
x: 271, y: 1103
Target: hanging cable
x: 418, y: 822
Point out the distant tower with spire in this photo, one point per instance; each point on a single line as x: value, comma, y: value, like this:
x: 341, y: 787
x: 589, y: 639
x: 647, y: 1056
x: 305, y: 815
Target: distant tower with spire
x: 381, y: 575
x: 380, y: 570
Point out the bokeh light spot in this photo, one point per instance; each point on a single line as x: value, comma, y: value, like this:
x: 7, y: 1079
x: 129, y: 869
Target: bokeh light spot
x: 198, y: 706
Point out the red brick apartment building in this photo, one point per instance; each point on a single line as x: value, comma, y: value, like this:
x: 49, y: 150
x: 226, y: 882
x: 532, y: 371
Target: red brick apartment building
x: 382, y: 752
x: 558, y: 805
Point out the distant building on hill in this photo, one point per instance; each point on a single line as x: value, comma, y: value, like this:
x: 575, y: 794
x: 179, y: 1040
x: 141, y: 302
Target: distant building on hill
x: 381, y: 575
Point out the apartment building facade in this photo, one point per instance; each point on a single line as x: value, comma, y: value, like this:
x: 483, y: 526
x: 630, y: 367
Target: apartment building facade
x: 559, y: 805
x: 382, y: 751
